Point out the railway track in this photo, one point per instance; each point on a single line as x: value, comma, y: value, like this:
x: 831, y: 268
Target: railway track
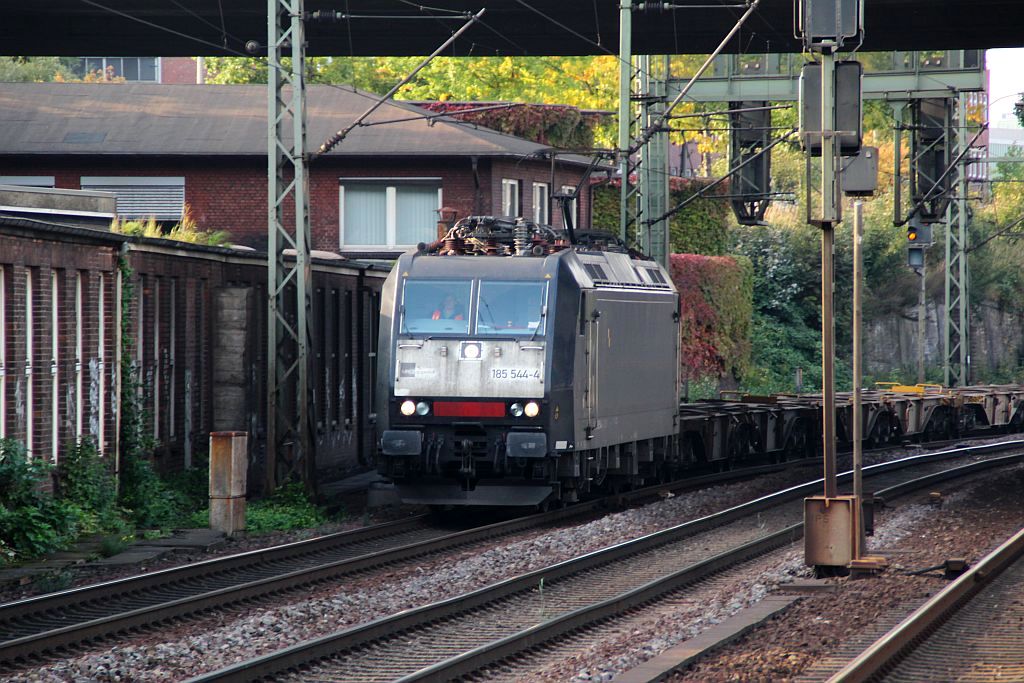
x: 458, y: 636
x: 970, y: 631
x: 35, y: 626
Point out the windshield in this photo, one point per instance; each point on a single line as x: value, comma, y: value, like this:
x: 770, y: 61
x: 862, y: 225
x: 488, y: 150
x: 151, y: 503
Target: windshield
x: 436, y: 306
x: 511, y: 308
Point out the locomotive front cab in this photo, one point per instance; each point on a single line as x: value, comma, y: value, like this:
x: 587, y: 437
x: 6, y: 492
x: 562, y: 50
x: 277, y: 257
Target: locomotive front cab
x: 466, y: 410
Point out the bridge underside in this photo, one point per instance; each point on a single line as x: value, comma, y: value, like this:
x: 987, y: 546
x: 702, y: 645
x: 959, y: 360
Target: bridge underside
x: 516, y: 27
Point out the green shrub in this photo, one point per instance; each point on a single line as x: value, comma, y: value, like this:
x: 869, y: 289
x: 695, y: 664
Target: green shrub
x: 112, y: 545
x: 52, y: 582
x: 288, y: 508
x: 31, y: 521
x: 86, y: 483
x: 148, y: 500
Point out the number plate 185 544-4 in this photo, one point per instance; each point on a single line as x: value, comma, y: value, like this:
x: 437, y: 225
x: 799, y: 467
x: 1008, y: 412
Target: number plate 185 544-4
x: 514, y: 373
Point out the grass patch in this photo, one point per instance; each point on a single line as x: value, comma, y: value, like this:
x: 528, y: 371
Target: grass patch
x: 113, y: 545
x: 287, y: 509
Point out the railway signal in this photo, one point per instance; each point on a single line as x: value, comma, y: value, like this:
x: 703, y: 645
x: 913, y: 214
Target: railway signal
x: 919, y: 238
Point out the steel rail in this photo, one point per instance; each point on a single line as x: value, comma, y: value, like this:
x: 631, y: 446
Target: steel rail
x: 478, y: 658
x: 141, y: 582
x: 887, y: 650
x: 348, y: 639
x: 492, y: 652
x: 202, y: 599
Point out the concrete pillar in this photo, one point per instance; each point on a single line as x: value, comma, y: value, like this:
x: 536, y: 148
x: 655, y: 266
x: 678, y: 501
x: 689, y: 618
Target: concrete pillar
x: 228, y: 462
x: 230, y: 376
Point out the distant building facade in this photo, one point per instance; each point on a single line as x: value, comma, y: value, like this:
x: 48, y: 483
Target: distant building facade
x: 161, y: 148
x: 143, y: 69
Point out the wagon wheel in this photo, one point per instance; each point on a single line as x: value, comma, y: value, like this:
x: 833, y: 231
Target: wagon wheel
x: 883, y: 431
x: 1017, y: 421
x: 743, y: 442
x: 796, y: 442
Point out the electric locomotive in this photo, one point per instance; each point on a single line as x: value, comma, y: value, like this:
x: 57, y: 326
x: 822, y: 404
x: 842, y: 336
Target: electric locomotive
x: 518, y: 369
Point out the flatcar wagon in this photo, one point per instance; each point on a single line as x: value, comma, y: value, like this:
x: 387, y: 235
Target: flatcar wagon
x: 520, y: 368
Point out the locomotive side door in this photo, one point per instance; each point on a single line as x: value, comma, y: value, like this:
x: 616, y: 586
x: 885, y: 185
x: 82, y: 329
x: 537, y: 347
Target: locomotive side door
x: 591, y: 320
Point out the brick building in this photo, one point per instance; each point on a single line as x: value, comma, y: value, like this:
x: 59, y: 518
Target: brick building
x: 161, y: 147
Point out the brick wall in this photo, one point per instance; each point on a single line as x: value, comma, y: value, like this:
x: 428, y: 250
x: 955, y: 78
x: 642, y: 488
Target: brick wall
x: 58, y: 397
x: 528, y: 174
x: 173, y: 342
x: 177, y: 70
x: 230, y: 193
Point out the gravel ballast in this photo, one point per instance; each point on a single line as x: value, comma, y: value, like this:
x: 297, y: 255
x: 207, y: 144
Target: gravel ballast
x: 188, y: 648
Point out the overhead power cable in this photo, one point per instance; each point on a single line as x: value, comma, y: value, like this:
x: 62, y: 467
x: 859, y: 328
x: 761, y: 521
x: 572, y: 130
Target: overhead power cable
x: 333, y: 141
x: 953, y: 164
x: 699, y: 193
x: 662, y: 120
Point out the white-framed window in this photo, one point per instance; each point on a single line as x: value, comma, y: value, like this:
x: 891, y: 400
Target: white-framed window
x: 574, y: 211
x: 145, y: 69
x: 387, y: 213
x: 54, y: 365
x: 541, y: 203
x: 3, y: 353
x: 510, y: 205
x: 162, y: 197
x: 28, y: 180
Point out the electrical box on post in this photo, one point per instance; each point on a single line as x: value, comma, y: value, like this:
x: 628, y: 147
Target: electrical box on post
x: 833, y: 21
x: 859, y: 174
x: 847, y: 118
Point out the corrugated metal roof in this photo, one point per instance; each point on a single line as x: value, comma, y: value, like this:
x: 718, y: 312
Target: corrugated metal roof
x: 154, y: 119
x: 222, y: 120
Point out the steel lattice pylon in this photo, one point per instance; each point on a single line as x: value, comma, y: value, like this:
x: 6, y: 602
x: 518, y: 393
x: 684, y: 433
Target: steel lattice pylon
x: 653, y: 172
x: 289, y: 443
x: 957, y: 348
x: 643, y: 203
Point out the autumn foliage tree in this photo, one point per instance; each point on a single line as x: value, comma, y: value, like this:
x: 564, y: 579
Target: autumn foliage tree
x: 715, y: 306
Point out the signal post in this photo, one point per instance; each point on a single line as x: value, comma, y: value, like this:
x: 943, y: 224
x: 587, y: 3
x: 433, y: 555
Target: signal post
x: 832, y: 523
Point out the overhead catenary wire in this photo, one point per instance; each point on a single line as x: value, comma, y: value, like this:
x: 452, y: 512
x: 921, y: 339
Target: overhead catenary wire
x: 333, y: 141
x: 699, y: 193
x: 343, y: 87
x: 663, y: 118
x: 936, y: 185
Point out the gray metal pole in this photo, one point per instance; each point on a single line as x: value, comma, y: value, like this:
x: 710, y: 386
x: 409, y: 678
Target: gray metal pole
x: 273, y: 249
x: 922, y: 303
x: 858, y: 412
x: 303, y: 266
x: 625, y: 108
x: 829, y: 214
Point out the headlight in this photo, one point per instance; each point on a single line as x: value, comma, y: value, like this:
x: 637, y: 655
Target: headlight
x: 531, y: 409
x: 408, y: 408
x: 471, y: 350
x: 422, y: 408
x: 516, y: 409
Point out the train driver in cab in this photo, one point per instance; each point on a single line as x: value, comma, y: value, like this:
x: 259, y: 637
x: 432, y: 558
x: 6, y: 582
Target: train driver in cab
x: 449, y: 309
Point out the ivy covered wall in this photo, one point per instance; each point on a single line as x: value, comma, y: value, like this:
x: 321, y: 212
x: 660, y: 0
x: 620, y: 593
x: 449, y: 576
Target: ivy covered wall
x: 700, y: 228
x: 715, y: 309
